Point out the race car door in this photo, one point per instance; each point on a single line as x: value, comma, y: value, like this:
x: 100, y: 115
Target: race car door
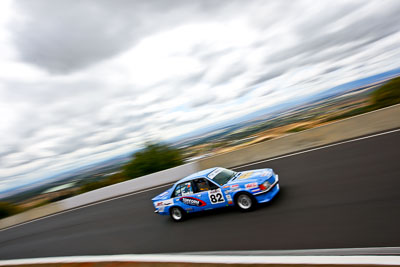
x: 187, y: 199
x: 210, y: 193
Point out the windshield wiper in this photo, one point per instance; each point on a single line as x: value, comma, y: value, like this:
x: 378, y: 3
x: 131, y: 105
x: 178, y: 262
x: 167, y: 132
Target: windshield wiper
x: 235, y: 176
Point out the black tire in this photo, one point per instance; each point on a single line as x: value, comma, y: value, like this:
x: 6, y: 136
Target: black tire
x: 245, y: 202
x: 177, y: 214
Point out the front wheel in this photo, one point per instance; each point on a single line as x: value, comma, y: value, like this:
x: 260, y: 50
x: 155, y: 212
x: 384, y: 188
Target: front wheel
x: 245, y: 202
x: 177, y: 214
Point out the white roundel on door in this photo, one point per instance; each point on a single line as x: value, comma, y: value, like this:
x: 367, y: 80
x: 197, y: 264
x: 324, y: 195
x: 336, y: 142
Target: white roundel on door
x: 216, y: 196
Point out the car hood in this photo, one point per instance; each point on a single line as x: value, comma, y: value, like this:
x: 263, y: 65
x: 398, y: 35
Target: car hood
x: 259, y: 175
x: 163, y: 196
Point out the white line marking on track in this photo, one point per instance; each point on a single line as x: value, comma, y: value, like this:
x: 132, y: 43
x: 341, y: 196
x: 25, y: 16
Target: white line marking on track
x: 357, y: 260
x: 318, y: 148
x: 245, y: 165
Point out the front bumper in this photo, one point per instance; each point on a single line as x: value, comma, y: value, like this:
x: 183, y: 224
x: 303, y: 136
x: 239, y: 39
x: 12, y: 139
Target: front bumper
x: 268, y: 194
x: 271, y: 187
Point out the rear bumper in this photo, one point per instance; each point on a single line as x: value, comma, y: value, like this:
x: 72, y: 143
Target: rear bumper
x: 164, y: 211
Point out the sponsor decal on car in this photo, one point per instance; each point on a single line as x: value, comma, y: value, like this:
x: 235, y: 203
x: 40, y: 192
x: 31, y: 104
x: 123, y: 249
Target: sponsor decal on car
x: 216, y: 196
x: 251, y: 185
x: 245, y: 175
x: 214, y: 173
x: 164, y: 203
x: 192, y: 201
x: 266, y: 173
x: 235, y: 188
x: 227, y: 189
x: 229, y: 198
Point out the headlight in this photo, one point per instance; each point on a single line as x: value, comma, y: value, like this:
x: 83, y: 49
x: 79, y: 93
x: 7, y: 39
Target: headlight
x: 266, y: 185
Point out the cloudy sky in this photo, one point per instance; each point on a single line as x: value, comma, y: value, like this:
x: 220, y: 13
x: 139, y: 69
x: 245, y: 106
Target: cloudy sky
x: 81, y: 81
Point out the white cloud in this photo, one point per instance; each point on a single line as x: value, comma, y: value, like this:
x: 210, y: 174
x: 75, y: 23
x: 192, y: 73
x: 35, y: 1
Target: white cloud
x: 74, y: 91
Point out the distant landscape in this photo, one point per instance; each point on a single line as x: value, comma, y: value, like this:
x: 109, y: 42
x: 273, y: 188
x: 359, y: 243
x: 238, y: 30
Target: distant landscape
x: 331, y: 105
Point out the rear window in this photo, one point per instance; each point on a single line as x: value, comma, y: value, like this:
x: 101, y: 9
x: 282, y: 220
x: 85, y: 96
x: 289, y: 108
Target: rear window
x: 183, y: 189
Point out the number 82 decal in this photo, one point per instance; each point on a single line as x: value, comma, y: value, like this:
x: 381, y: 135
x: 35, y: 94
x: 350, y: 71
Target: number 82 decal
x: 216, y: 196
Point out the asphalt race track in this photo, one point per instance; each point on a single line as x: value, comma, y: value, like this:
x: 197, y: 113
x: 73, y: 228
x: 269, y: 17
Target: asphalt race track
x: 336, y: 197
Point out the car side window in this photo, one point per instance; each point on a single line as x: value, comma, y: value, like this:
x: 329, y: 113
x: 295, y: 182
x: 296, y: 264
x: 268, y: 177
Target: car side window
x: 202, y: 184
x: 183, y: 189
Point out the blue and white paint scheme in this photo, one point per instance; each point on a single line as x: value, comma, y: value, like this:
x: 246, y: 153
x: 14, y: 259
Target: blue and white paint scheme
x: 215, y: 188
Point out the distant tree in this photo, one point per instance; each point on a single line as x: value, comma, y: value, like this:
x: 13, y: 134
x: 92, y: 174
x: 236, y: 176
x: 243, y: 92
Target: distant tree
x: 7, y: 209
x: 117, y: 178
x: 92, y: 186
x: 387, y: 95
x: 153, y: 158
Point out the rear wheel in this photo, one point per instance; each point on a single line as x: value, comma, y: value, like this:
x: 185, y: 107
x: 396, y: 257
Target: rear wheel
x: 245, y: 202
x: 177, y: 214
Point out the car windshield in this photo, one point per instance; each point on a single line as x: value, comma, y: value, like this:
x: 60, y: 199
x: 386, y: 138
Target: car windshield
x: 223, y: 176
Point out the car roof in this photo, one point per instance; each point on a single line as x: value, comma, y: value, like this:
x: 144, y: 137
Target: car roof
x: 199, y: 174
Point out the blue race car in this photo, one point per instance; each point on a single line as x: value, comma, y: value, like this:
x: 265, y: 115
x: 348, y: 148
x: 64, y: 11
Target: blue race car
x: 216, y: 188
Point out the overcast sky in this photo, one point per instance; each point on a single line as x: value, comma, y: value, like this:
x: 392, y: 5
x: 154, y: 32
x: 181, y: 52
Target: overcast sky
x: 85, y: 80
